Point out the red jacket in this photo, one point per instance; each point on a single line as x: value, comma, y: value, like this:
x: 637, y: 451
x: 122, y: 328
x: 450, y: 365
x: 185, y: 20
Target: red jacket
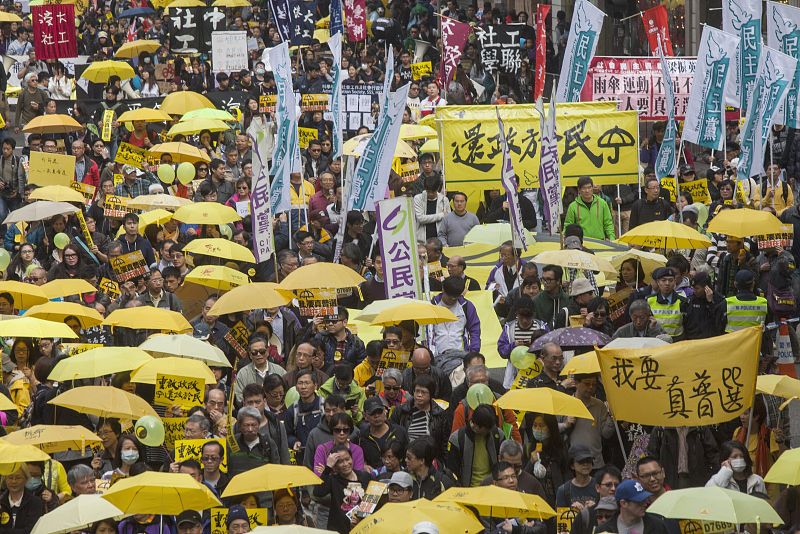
x: 91, y: 173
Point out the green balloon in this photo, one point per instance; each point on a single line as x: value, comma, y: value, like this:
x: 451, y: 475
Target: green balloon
x: 521, y: 358
x: 186, y: 172
x: 225, y: 231
x: 5, y: 259
x: 150, y: 431
x: 166, y: 173
x: 478, y: 394
x: 291, y: 397
x: 61, y: 240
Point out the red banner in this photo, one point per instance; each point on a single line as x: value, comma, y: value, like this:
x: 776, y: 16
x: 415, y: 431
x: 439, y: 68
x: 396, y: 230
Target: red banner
x: 54, y: 31
x: 454, y: 38
x: 656, y: 22
x: 542, y: 11
x: 355, y: 12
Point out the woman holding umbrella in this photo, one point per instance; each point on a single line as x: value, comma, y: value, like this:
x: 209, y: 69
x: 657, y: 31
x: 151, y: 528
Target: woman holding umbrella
x: 20, y: 509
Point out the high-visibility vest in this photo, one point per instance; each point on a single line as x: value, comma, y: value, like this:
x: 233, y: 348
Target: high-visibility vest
x: 745, y: 313
x: 667, y: 315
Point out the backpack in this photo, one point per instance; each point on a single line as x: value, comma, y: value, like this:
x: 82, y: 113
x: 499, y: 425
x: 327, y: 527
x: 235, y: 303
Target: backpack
x: 781, y: 302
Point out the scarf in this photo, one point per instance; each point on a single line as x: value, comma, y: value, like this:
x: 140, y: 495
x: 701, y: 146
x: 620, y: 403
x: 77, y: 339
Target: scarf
x: 762, y: 460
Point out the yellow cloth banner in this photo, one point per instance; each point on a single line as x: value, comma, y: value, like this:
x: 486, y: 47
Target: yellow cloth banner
x: 689, y: 383
x: 592, y: 141
x: 51, y: 169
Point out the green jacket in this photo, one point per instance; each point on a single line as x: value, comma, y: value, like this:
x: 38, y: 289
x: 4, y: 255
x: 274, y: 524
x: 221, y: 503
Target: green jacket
x: 355, y: 397
x: 595, y: 218
x: 551, y: 310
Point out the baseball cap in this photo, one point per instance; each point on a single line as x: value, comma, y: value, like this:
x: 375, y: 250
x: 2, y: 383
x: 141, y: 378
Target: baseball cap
x: 580, y: 286
x: 607, y: 503
x: 687, y: 169
x: 372, y: 405
x: 402, y: 479
x: 425, y: 527
x: 236, y: 512
x: 190, y: 516
x: 127, y: 169
x: 632, y: 490
x: 580, y: 452
x: 572, y: 242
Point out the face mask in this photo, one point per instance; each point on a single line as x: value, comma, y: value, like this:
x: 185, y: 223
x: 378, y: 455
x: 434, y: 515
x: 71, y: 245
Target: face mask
x: 261, y: 72
x: 33, y: 484
x: 738, y: 464
x: 541, y: 435
x: 129, y: 457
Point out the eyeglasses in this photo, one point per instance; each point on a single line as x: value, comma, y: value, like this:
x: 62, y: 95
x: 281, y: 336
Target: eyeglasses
x: 202, y: 169
x: 652, y: 474
x: 210, y: 458
x: 70, y: 255
x: 255, y: 352
x: 548, y: 280
x: 392, y: 388
x: 342, y: 430
x: 609, y: 484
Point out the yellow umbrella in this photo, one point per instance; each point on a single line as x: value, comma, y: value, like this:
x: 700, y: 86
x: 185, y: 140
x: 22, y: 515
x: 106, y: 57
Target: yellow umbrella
x: 101, y: 71
x: 159, y: 200
x: 65, y: 287
x: 409, y: 132
x: 180, y: 152
x: 6, y: 404
x: 428, y: 120
x: 59, y: 311
x: 156, y: 216
x: 420, y: 311
x: 250, y: 297
x: 494, y: 501
x: 54, y: 438
x: 5, y: 16
x: 543, y: 400
x: 778, y: 385
x: 650, y: 261
x: 39, y: 211
x: 172, y: 365
x: 181, y: 102
x: 746, y: 223
x: 583, y: 364
x: 186, y: 3
x: 494, y: 234
x: 400, y: 518
x: 193, y: 126
x: 217, y: 277
x: 57, y: 193
x: 76, y: 515
x: 103, y: 401
x: 160, y: 493
x: 575, y: 259
x: 270, y: 477
x: 35, y: 328
x: 714, y: 503
x: 184, y: 346
x: 52, y: 124
x: 144, y: 114
x: 132, y: 49
x: 220, y: 248
x: 208, y: 113
x: 13, y: 456
x: 431, y: 146
x: 786, y: 469
x: 321, y: 275
x: 148, y: 318
x: 231, y: 3
x: 665, y: 234
x: 24, y: 295
x: 206, y: 213
x: 100, y: 361
x: 355, y: 147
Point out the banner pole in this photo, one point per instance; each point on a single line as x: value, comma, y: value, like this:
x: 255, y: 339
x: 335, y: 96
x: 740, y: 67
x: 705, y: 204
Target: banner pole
x: 619, y: 214
x: 677, y: 178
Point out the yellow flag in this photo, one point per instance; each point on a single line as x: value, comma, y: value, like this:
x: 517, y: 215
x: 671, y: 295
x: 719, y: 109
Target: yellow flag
x: 689, y: 383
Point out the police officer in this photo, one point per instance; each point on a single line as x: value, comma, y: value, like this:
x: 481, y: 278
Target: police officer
x: 668, y: 307
x: 745, y: 309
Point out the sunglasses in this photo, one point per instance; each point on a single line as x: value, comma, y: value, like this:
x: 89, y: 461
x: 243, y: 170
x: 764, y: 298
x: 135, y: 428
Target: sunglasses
x: 342, y: 430
x: 259, y: 351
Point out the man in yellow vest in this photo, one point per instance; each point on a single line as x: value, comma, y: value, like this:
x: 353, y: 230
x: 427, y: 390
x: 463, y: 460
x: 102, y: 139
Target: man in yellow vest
x: 668, y: 307
x: 745, y: 309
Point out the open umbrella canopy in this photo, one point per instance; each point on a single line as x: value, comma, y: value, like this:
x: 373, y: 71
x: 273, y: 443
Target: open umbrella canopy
x: 184, y: 346
x: 206, y: 213
x: 103, y: 401
x: 650, y: 261
x: 321, y: 275
x: 544, y: 400
x: 583, y: 364
x: 371, y: 311
x: 57, y: 193
x: 54, y: 438
x: 665, y: 234
x: 24, y: 295
x: 400, y: 518
x: 220, y: 248
x: 100, y: 361
x: 180, y: 152
x: 6, y: 404
x: 410, y: 132
x: 160, y: 493
x: 65, y: 287
x: 746, y: 223
x: 494, y: 501
x: 355, y: 146
x: 208, y: 113
x: 217, y: 277
x: 786, y: 469
x: 158, y: 200
x: 31, y: 327
x: 575, y: 259
x: 39, y: 211
x: 492, y: 234
x: 143, y: 114
x: 193, y: 126
x: 289, y: 529
x: 52, y: 124
x: 5, y: 16
x: 154, y: 216
x: 149, y: 318
x: 58, y: 311
x: 101, y: 71
x: 171, y: 365
x: 270, y: 477
x: 13, y: 456
x: 250, y: 297
x: 231, y: 3
x: 181, y: 102
x: 571, y: 337
x: 420, y: 311
x: 714, y: 504
x: 431, y: 146
x: 76, y: 515
x: 778, y: 385
x: 186, y: 3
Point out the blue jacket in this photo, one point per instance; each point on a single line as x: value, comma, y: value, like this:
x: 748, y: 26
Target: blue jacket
x: 472, y: 331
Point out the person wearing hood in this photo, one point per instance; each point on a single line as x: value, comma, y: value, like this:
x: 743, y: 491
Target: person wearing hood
x: 463, y: 334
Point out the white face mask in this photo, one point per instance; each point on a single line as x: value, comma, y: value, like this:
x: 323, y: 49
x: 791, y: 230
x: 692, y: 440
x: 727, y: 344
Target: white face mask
x: 738, y: 464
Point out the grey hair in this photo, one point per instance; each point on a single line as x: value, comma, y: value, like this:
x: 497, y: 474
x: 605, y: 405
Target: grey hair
x: 472, y: 370
x: 509, y: 447
x: 200, y: 419
x: 248, y: 411
x: 638, y: 305
x: 393, y: 373
x: 79, y: 472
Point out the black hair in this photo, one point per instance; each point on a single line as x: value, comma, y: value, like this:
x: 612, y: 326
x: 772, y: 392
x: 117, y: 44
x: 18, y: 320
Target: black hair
x: 274, y: 381
x: 555, y: 269
x: 343, y: 371
x: 484, y: 416
x: 335, y: 401
x: 585, y: 180
x: 426, y: 382
x: 453, y: 286
x: 424, y: 449
x: 498, y: 468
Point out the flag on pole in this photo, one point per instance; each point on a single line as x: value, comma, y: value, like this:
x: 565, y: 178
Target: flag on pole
x: 775, y: 73
x: 542, y: 10
x: 454, y: 38
x: 336, y: 22
x: 783, y: 34
x: 335, y: 44
x: 285, y: 158
x: 666, y: 158
x: 742, y: 18
x: 261, y: 210
x: 587, y: 21
x: 510, y: 184
x: 705, y: 111
x: 656, y: 26
x: 549, y: 170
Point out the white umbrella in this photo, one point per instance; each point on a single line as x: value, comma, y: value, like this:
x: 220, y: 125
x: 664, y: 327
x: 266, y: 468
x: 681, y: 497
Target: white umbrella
x: 76, y: 514
x: 635, y: 343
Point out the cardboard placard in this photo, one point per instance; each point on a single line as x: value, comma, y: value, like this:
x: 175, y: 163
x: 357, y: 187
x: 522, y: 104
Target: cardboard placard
x: 420, y: 70
x: 71, y: 349
x: 118, y: 179
x: 783, y: 240
x: 116, y: 207
x: 317, y: 302
x: 108, y: 123
x: 690, y: 526
x: 267, y: 103
x: 87, y: 235
x: 237, y: 337
x: 312, y: 102
x: 128, y: 154
x: 129, y: 266
x: 372, y: 495
x: 243, y: 208
x: 306, y: 135
x: 109, y: 287
x: 87, y: 190
x: 173, y: 390
x: 173, y: 430
x: 524, y: 376
x: 393, y: 359
x: 219, y: 518
x: 617, y: 303
x: 191, y: 449
x: 51, y: 169
x: 564, y: 517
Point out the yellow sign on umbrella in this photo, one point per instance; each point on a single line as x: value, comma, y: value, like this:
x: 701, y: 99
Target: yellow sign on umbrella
x: 180, y: 152
x: 181, y: 102
x: 321, y: 275
x: 171, y: 365
x: 160, y: 493
x: 52, y: 124
x: 220, y: 248
x: 24, y: 295
x: 54, y: 438
x: 250, y: 297
x: 400, y: 518
x: 132, y: 49
x: 270, y: 477
x: 103, y: 401
x: 746, y: 223
x: 206, y: 213
x: 494, y: 501
x: 144, y: 114
x: 59, y: 311
x: 57, y: 193
x: 76, y: 515
x: 543, y: 400
x: 158, y: 200
x: 30, y: 327
x: 184, y: 346
x: 65, y: 287
x: 217, y: 277
x: 665, y: 234
x: 100, y: 361
x: 193, y: 126
x: 420, y: 311
x: 101, y: 71
x: 149, y: 318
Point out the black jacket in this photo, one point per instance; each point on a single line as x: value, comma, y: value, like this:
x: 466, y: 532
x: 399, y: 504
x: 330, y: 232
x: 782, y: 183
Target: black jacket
x: 461, y: 450
x: 703, y: 454
x: 20, y: 520
x: 334, y: 485
x: 652, y: 525
x: 496, y: 212
x: 440, y: 423
x: 792, y: 216
x: 372, y: 446
x: 643, y: 211
x: 704, y: 319
x: 431, y: 486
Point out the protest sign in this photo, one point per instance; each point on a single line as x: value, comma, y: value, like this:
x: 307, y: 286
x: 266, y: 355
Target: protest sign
x: 129, y: 266
x: 87, y: 190
x: 454, y: 36
x: 192, y: 449
x: 109, y: 287
x: 116, y: 207
x: 783, y: 35
x: 118, y: 179
x: 691, y: 526
x: 71, y: 349
x: 315, y: 302
x: 50, y: 169
x: 499, y: 46
x: 87, y: 235
x: 584, y: 31
x: 660, y: 386
x: 266, y: 103
x: 397, y: 236
x: 393, y: 359
x: 372, y: 495
x: 108, y: 124
x: 617, y: 303
x: 306, y: 135
x: 237, y: 337
x: 524, y: 376
x: 229, y: 51
x: 408, y: 171
x: 420, y: 70
x: 668, y: 183
x: 698, y: 189
x: 314, y: 102
x: 54, y: 35
x: 127, y: 154
x: 219, y: 518
x: 173, y: 430
x: 172, y: 390
x: 565, y: 515
x: 783, y: 240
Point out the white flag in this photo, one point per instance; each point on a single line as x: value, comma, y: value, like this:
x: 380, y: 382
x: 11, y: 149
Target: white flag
x: 587, y: 21
x: 286, y: 157
x: 783, y: 34
x: 510, y: 184
x: 335, y: 44
x: 742, y: 18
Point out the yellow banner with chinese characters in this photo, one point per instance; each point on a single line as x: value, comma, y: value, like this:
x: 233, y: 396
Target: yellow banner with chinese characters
x: 305, y: 135
x: 421, y: 70
x: 593, y: 140
x: 219, y: 519
x: 174, y: 428
x: 698, y: 189
x: 672, y: 386
x: 128, y: 154
x: 51, y: 169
